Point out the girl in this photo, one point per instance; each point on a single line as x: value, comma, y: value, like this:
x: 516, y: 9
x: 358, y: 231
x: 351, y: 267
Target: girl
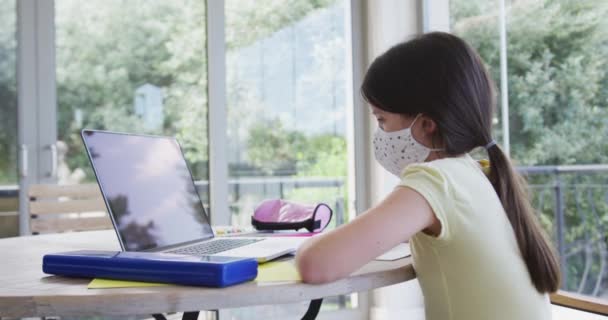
x: 478, y: 251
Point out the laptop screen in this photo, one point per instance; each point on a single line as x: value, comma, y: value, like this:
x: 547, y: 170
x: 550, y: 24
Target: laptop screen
x: 149, y: 189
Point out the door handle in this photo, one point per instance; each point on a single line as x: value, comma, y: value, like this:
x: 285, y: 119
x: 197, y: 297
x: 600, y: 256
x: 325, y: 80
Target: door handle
x: 53, y: 172
x: 23, y: 168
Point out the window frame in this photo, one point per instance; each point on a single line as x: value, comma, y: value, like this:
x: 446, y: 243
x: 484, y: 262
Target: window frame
x: 580, y: 302
x: 36, y: 100
x: 219, y: 212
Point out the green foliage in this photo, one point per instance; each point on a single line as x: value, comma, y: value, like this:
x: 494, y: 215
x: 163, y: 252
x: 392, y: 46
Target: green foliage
x: 274, y: 149
x: 105, y: 50
x: 557, y: 75
x: 329, y: 157
x: 8, y: 92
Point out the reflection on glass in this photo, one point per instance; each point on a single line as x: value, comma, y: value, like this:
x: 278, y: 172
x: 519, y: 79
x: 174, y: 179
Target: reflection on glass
x: 557, y: 75
x: 149, y: 189
x: 286, y: 86
x: 131, y: 66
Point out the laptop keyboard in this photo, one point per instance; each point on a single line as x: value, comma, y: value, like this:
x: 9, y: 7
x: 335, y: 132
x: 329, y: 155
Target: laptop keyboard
x: 215, y: 246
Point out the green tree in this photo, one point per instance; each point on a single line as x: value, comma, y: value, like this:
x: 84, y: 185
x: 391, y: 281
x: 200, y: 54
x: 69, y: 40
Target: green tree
x: 8, y: 92
x: 274, y: 149
x: 326, y: 157
x: 103, y: 56
x: 557, y: 75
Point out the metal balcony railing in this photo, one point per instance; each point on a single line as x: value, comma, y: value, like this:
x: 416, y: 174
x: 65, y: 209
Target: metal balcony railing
x: 572, y: 202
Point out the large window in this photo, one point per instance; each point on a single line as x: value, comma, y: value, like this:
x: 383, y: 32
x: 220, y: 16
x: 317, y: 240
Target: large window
x: 8, y: 117
x: 557, y: 74
x: 131, y: 66
x: 286, y: 100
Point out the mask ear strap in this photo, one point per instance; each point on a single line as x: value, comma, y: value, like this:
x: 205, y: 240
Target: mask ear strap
x: 316, y: 224
x: 262, y: 225
x: 417, y: 116
x: 430, y: 149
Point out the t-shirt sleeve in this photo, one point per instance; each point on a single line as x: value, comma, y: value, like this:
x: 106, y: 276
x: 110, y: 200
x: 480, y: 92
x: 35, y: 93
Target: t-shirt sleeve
x: 433, y: 186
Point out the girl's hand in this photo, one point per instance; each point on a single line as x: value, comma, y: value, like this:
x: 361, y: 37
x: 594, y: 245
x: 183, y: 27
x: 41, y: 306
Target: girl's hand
x: 338, y: 253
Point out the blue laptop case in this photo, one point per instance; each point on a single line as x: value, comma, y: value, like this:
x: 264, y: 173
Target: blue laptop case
x: 210, y: 271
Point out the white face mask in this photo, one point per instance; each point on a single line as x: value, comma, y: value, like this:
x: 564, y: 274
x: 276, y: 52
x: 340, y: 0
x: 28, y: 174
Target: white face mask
x: 398, y: 149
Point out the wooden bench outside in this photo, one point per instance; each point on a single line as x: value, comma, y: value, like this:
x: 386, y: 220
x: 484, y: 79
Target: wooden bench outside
x: 65, y: 208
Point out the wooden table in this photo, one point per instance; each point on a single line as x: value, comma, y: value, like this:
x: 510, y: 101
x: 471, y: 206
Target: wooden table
x: 25, y: 291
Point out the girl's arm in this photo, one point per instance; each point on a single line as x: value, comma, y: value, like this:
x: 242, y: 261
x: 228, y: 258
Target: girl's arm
x: 338, y: 253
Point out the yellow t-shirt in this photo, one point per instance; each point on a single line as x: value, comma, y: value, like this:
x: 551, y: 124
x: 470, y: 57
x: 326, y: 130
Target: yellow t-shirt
x: 473, y: 270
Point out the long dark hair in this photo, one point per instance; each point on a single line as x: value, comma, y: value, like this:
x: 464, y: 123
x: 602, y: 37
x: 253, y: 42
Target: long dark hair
x: 441, y: 76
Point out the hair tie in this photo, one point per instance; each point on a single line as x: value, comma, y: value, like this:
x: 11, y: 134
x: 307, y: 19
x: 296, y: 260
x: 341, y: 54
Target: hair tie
x: 490, y: 145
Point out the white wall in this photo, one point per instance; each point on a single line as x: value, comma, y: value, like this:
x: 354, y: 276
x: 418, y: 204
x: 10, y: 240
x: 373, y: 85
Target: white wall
x: 390, y: 22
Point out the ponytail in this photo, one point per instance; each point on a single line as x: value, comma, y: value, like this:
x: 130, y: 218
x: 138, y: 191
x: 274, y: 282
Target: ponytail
x: 536, y: 250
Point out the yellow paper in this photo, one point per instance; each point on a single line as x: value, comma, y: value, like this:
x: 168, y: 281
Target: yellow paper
x: 107, y: 283
x: 268, y: 272
x: 278, y: 271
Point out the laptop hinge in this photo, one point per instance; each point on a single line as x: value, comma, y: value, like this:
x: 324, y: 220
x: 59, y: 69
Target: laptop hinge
x: 178, y: 245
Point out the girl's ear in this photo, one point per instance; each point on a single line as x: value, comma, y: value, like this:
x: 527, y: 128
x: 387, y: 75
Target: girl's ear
x: 431, y: 131
x: 429, y: 126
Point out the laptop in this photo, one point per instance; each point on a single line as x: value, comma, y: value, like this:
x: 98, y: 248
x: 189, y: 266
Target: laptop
x: 153, y: 203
